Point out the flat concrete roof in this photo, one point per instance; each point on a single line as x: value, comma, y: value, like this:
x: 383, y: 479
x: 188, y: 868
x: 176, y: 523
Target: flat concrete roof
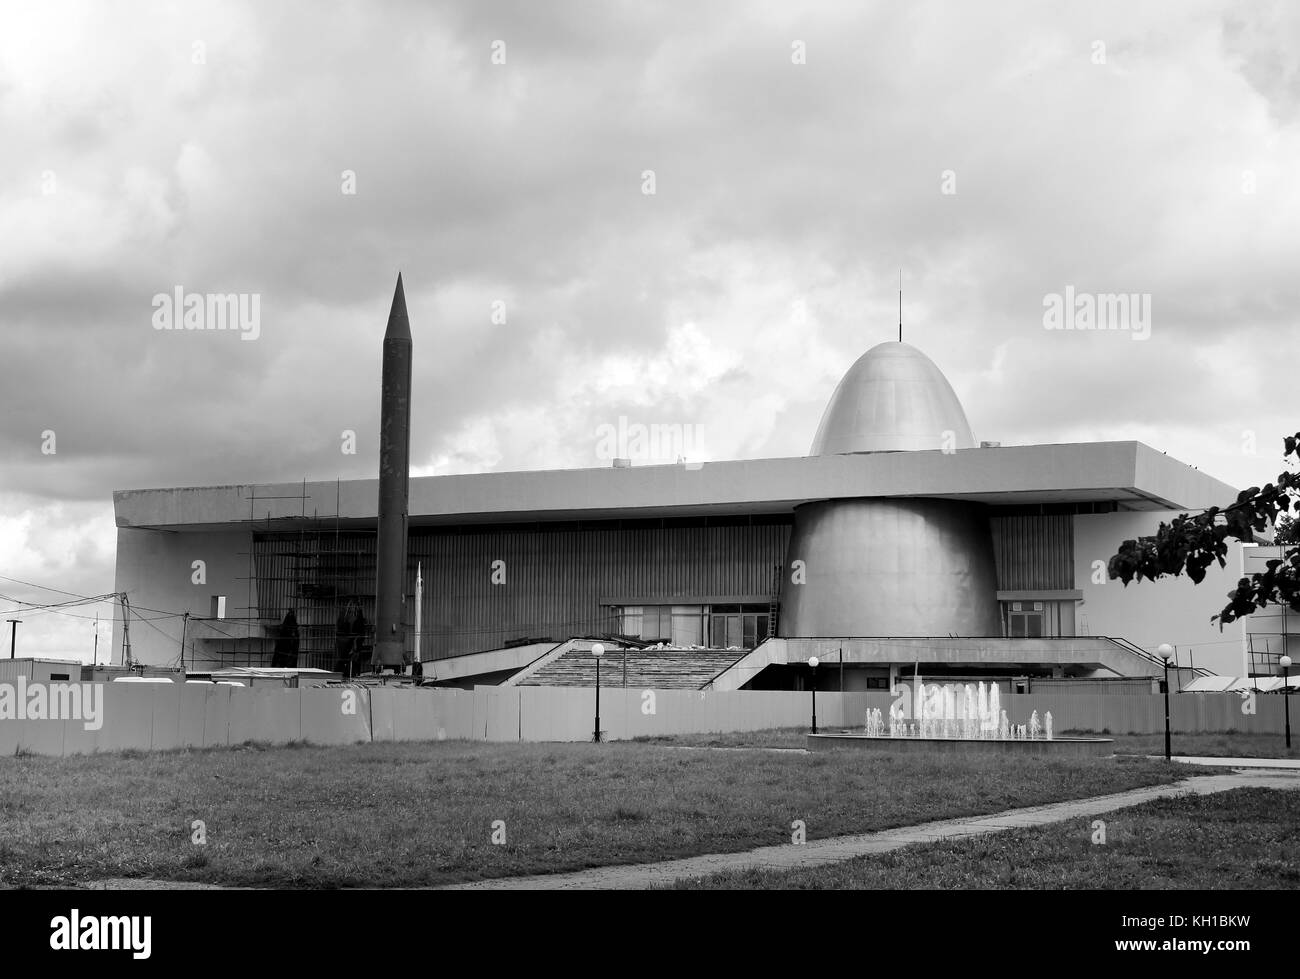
x: 1130, y: 474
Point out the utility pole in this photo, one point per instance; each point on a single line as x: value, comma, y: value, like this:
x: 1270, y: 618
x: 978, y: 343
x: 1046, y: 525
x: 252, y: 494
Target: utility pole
x: 185, y: 621
x: 13, y: 635
x: 126, y: 629
x: 94, y: 657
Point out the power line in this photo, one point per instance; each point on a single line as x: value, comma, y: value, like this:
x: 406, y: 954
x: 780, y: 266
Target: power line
x: 33, y: 608
x: 31, y: 584
x: 82, y: 599
x: 78, y: 601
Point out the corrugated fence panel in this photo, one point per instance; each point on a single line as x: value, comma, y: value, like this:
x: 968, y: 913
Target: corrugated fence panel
x: 1121, y: 714
x: 217, y: 710
x: 40, y: 737
x: 409, y: 721
x: 158, y: 717
x: 260, y: 714
x: 192, y: 714
x: 335, y: 715
x: 558, y: 713
x: 128, y: 716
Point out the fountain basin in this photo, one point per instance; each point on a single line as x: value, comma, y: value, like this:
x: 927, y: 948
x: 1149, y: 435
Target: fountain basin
x: 1056, y: 747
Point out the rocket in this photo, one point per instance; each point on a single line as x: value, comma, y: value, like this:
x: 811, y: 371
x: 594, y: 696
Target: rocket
x: 394, y: 485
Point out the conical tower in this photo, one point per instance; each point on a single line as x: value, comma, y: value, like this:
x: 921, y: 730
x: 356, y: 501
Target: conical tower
x: 394, y: 487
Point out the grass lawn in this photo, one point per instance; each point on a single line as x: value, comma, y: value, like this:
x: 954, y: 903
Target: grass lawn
x: 1225, y: 744
x: 418, y: 814
x: 1229, y: 744
x: 776, y: 737
x: 1244, y: 838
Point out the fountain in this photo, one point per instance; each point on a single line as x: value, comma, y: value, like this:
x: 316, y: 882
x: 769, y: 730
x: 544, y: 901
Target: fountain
x: 874, y: 723
x: 956, y: 717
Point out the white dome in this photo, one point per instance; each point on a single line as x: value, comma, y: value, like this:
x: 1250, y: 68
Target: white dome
x: 892, y: 399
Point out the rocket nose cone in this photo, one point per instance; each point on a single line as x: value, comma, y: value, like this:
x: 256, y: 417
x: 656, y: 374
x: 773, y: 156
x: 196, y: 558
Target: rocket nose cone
x: 399, y: 327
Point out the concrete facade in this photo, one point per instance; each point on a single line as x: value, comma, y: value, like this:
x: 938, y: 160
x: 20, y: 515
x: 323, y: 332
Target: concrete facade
x: 1148, y: 613
x: 578, y: 543
x: 1128, y: 473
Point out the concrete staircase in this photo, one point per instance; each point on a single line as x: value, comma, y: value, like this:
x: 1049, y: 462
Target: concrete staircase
x: 655, y: 669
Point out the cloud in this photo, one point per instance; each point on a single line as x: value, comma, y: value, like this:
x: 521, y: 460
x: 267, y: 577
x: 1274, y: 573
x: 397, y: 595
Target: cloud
x: 208, y: 147
x: 71, y: 545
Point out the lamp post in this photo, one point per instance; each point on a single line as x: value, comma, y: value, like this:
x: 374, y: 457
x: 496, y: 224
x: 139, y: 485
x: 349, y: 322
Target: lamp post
x: 597, y: 650
x: 1285, y: 663
x: 1166, y: 652
x: 812, y: 661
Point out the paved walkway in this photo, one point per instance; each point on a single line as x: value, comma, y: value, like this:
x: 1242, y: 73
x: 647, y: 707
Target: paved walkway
x: 819, y: 852
x: 1283, y: 763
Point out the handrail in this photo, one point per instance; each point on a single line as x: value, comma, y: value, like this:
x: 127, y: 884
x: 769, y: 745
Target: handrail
x: 1153, y: 658
x: 709, y: 682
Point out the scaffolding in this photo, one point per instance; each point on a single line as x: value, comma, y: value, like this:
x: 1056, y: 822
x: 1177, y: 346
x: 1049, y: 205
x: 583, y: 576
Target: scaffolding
x: 311, y: 565
x: 1264, y: 651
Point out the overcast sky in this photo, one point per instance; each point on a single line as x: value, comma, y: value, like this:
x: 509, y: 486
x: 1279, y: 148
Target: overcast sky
x: 801, y: 155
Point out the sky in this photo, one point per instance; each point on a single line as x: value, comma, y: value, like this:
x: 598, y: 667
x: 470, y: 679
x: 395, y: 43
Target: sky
x: 659, y: 213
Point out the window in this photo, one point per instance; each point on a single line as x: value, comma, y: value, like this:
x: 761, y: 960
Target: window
x: 680, y: 625
x: 688, y: 625
x: 724, y: 629
x: 218, y: 607
x: 631, y: 624
x: 653, y: 626
x: 740, y: 626
x: 1024, y: 625
x: 743, y: 626
x: 1037, y: 619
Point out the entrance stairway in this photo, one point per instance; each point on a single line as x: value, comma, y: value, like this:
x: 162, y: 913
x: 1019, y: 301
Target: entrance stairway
x: 656, y: 669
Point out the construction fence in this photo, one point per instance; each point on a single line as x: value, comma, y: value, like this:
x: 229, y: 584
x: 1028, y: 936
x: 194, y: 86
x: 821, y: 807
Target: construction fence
x: 158, y: 717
